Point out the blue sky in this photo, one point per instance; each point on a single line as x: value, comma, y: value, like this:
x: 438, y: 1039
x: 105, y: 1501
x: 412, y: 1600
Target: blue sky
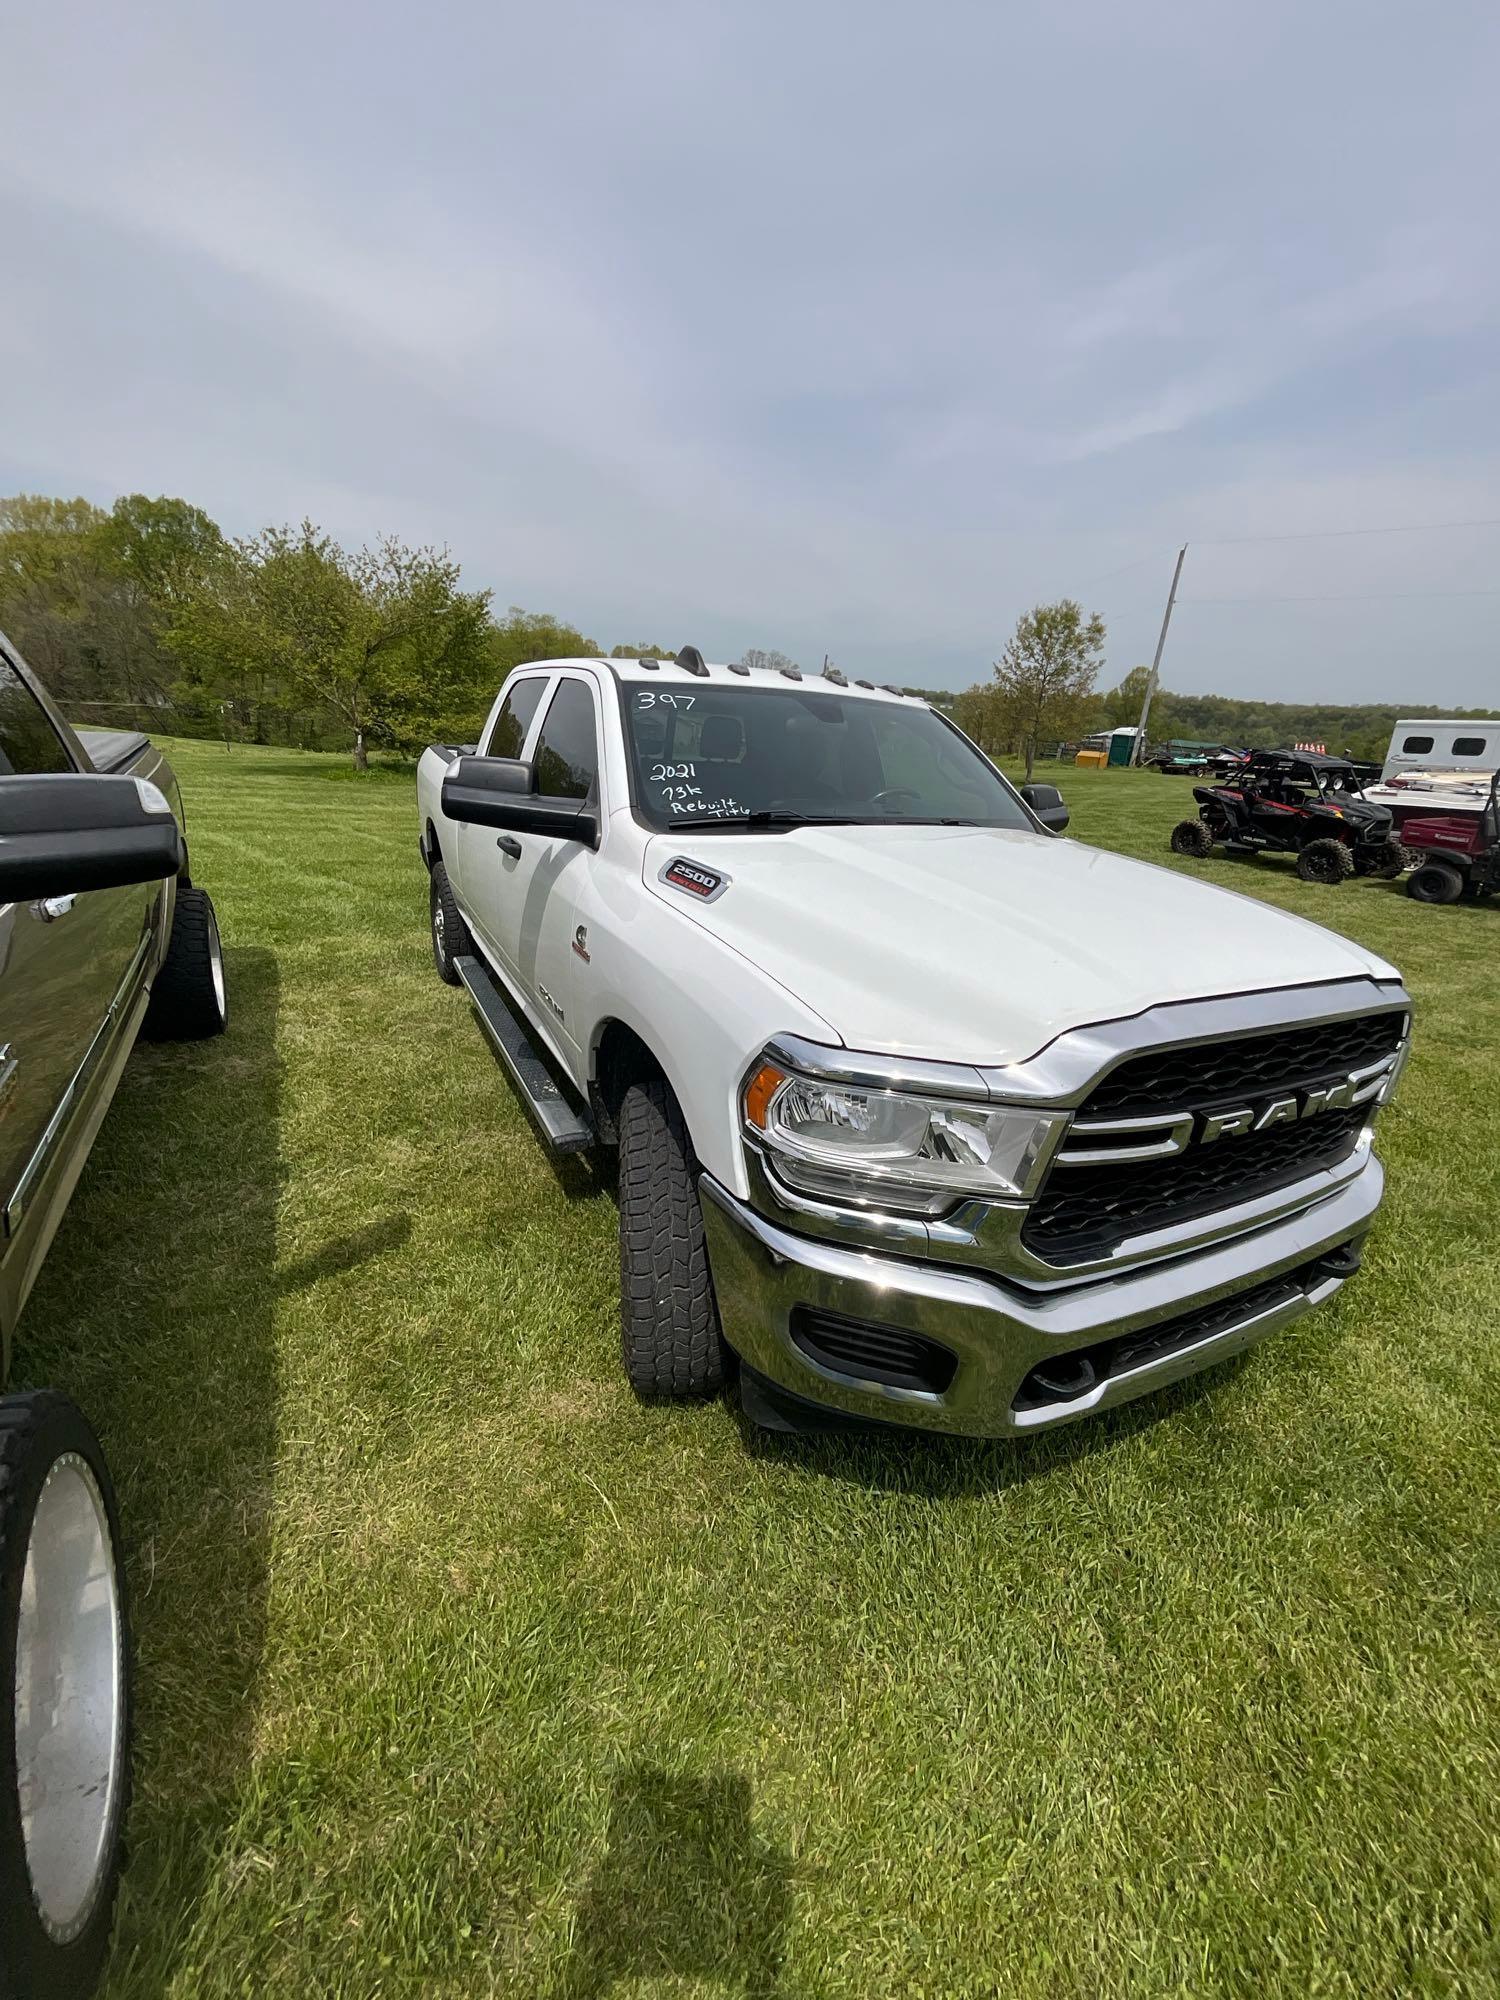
x: 849, y: 328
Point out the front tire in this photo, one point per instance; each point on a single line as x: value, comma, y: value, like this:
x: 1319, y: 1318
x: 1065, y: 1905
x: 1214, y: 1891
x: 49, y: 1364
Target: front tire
x: 189, y: 999
x: 1435, y: 882
x: 1327, y: 861
x: 66, y: 1713
x: 670, y: 1340
x: 450, y: 934
x: 1191, y: 836
x: 1383, y: 860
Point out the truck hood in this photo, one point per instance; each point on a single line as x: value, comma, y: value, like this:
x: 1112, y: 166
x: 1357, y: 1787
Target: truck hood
x: 982, y: 945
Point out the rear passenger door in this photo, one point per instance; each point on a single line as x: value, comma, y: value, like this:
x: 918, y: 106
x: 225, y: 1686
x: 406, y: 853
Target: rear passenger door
x: 63, y: 961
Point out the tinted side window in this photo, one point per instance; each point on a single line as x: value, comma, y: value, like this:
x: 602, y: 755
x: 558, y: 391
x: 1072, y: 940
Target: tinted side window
x: 1416, y: 746
x: 567, y: 761
x: 28, y: 742
x: 1468, y: 746
x: 514, y: 719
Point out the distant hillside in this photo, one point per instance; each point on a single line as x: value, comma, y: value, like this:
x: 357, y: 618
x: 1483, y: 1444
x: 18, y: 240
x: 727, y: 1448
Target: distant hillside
x: 1362, y: 729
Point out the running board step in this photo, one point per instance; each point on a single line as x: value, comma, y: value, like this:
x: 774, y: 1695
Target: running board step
x: 565, y: 1128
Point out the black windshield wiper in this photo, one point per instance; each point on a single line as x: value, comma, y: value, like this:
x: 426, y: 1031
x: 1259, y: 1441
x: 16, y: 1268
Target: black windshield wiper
x: 755, y: 819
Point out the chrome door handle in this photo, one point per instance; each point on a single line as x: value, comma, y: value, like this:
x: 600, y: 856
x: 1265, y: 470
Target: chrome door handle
x: 50, y: 908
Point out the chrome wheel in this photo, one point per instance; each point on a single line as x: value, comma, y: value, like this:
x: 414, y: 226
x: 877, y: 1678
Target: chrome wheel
x: 437, y: 925
x: 216, y: 966
x: 69, y: 1698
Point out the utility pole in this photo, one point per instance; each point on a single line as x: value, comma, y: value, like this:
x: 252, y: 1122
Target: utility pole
x: 1139, y: 750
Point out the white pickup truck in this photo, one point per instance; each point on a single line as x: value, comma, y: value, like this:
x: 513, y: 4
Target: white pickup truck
x: 924, y: 1114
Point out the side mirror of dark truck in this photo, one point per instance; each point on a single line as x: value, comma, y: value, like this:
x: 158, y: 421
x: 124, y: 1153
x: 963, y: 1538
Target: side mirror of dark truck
x: 1046, y: 801
x: 67, y: 832
x: 501, y: 791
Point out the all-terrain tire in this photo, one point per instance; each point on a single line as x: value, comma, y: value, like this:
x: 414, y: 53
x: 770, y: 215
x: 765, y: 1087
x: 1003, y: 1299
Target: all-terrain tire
x: 670, y: 1339
x: 1191, y: 836
x: 1384, y: 860
x: 189, y: 999
x: 450, y: 934
x: 67, y: 1730
x: 1326, y: 861
x: 1435, y: 882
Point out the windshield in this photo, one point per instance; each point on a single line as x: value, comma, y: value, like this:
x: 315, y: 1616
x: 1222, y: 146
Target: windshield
x: 787, y: 756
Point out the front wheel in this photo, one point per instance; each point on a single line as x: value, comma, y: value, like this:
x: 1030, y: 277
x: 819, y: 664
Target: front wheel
x: 1435, y: 882
x: 1382, y: 859
x: 189, y: 999
x: 670, y: 1339
x: 65, y: 1717
x: 450, y: 934
x: 1191, y: 836
x: 1326, y: 861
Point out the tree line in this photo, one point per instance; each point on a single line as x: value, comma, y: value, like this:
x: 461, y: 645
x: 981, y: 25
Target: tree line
x: 148, y: 605
x: 1042, y: 693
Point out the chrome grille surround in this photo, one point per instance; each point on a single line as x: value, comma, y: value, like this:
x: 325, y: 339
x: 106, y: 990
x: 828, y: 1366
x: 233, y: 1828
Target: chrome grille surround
x: 990, y: 1235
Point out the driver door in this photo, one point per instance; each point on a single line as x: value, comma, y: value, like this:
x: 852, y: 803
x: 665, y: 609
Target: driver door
x: 479, y: 881
x: 529, y: 885
x: 63, y: 961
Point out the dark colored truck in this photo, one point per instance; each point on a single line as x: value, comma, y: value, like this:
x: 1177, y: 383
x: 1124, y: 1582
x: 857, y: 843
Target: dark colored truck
x: 103, y: 937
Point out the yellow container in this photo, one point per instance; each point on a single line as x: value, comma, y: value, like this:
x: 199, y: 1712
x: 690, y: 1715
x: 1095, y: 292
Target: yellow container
x: 1097, y: 758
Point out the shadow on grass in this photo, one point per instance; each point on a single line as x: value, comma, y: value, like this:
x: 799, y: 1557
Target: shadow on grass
x: 888, y: 1458
x: 347, y: 1253
x: 157, y: 1309
x: 685, y: 1889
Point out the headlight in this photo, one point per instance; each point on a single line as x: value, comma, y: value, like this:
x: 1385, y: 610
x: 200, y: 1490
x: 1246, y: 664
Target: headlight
x: 848, y: 1141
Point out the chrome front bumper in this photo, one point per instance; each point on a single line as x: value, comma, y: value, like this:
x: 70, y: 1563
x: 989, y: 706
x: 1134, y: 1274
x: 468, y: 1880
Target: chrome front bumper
x: 999, y: 1332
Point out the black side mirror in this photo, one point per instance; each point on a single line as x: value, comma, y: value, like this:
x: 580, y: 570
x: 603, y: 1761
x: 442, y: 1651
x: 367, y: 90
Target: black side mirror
x: 1046, y: 801
x: 501, y: 791
x: 75, y: 830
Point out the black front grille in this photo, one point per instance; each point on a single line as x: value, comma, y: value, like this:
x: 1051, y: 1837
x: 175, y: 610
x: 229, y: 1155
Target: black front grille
x: 1248, y: 1067
x: 1083, y: 1212
x: 1074, y: 1374
x: 887, y: 1354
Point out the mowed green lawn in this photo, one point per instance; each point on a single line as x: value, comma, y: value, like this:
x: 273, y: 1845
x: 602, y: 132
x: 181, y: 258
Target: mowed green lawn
x: 461, y: 1673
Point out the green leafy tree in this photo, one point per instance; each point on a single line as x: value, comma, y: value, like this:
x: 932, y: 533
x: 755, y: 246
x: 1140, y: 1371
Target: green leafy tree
x: 1121, y: 706
x: 643, y: 652
x: 979, y: 713
x: 523, y: 636
x: 757, y: 656
x: 382, y: 638
x: 163, y: 547
x: 1045, y: 678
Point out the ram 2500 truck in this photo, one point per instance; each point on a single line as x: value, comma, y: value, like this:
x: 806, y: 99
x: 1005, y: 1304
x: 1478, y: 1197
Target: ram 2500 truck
x: 924, y: 1113
x: 103, y: 937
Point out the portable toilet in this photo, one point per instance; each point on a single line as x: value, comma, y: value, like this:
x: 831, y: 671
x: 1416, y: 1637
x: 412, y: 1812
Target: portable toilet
x: 1122, y: 744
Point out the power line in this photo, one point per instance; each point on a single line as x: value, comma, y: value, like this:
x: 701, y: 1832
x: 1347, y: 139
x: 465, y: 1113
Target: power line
x: 1330, y: 534
x: 1344, y: 597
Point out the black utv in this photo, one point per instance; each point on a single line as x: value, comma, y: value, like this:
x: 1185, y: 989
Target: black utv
x: 1296, y: 802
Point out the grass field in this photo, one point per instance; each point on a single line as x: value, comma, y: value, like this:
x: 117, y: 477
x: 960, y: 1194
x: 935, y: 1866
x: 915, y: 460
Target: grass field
x: 462, y: 1674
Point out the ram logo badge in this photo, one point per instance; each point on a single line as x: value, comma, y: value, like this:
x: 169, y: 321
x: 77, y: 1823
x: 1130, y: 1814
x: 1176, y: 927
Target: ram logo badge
x: 1280, y: 1111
